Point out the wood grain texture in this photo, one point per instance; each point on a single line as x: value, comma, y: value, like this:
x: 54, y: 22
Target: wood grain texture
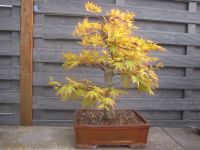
x: 41, y: 79
x: 8, y: 73
x: 11, y: 24
x: 9, y: 61
x: 168, y: 60
x: 122, y: 103
x: 10, y: 2
x: 9, y: 96
x: 9, y: 49
x: 57, y: 33
x: 143, y: 13
x: 26, y: 62
x: 192, y: 6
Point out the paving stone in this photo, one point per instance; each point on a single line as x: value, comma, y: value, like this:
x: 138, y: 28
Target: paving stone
x: 189, y: 139
x: 62, y: 138
x: 36, y: 138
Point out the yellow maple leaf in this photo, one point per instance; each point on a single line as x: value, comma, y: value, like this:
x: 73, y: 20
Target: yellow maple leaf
x: 91, y: 7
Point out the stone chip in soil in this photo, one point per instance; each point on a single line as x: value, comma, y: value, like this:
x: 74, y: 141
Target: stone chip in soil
x: 95, y: 118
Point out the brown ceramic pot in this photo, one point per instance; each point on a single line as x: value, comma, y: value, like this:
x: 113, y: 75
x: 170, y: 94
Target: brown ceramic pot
x: 135, y: 136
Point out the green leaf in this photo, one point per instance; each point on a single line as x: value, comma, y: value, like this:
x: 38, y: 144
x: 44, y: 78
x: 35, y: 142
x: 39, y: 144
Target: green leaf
x: 113, y: 49
x: 98, y: 90
x: 150, y: 91
x: 108, y: 101
x: 66, y: 91
x: 118, y: 66
x: 53, y: 83
x: 114, y: 92
x: 136, y: 80
x: 101, y: 106
x: 70, y: 64
x: 129, y: 65
x: 92, y: 95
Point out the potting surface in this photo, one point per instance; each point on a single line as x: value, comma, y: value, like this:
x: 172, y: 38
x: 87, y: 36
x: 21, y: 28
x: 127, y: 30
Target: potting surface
x: 62, y: 138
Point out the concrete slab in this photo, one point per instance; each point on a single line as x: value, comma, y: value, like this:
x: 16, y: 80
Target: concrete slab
x: 188, y: 139
x: 62, y: 138
x: 159, y: 140
x: 36, y: 138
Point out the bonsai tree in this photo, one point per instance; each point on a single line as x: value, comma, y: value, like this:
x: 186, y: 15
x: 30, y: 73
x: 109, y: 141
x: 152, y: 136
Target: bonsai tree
x: 110, y: 45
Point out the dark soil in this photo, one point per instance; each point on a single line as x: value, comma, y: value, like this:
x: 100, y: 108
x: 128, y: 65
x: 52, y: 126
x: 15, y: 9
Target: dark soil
x: 95, y: 118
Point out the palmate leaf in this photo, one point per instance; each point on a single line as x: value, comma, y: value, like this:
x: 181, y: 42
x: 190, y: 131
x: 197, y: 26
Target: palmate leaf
x: 108, y: 101
x: 91, y: 7
x: 136, y: 80
x: 113, y: 49
x: 66, y: 90
x: 88, y: 102
x: 146, y: 87
x: 101, y: 60
x: 70, y: 64
x: 114, y: 92
x: 92, y: 95
x: 101, y: 106
x: 99, y: 90
x: 129, y: 65
x: 54, y: 83
x: 119, y: 66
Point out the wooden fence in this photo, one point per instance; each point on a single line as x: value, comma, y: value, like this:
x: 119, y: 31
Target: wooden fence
x: 173, y: 24
x: 9, y: 61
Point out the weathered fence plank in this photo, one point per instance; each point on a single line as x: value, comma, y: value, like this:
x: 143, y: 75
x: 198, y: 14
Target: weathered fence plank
x: 9, y: 61
x: 41, y: 79
x: 159, y: 37
x: 129, y: 103
x: 168, y: 60
x: 10, y: 24
x: 143, y: 13
x: 7, y: 96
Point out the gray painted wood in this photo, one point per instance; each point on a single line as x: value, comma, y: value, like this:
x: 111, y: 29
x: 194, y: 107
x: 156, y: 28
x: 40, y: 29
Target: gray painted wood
x: 144, y: 13
x: 10, y: 2
x: 10, y: 24
x: 9, y: 49
x: 129, y: 103
x: 159, y: 37
x: 9, y: 62
x: 9, y: 96
x: 69, y: 114
x: 192, y: 6
x: 41, y: 79
x: 168, y: 61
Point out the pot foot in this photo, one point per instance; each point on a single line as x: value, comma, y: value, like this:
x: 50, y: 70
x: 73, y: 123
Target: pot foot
x: 132, y: 146
x: 84, y: 146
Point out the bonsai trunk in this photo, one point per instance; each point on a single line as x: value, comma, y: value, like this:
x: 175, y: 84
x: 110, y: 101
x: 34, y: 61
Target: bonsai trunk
x: 109, y: 113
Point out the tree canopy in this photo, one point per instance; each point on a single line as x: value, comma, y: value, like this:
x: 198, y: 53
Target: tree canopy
x: 109, y: 44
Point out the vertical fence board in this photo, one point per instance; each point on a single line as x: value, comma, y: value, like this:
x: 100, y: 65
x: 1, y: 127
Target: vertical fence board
x: 26, y: 62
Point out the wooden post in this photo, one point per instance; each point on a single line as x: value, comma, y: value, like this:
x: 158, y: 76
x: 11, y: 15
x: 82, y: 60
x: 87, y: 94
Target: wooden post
x: 26, y: 47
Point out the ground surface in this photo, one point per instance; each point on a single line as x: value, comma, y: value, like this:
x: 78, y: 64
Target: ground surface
x: 62, y: 138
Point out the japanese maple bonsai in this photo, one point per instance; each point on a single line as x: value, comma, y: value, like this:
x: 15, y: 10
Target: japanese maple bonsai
x: 110, y: 45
